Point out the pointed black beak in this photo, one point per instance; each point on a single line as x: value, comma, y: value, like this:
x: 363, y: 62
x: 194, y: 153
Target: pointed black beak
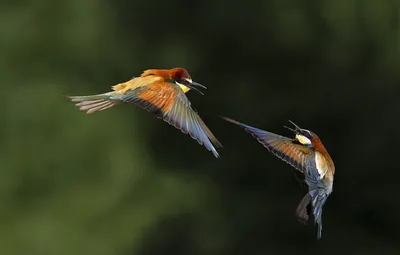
x: 297, y: 128
x: 193, y: 85
x: 291, y: 129
x: 294, y: 124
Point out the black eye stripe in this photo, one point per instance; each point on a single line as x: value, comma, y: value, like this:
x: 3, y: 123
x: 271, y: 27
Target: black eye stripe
x: 307, y: 133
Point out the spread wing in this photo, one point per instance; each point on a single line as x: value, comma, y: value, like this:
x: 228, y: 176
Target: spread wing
x: 282, y: 147
x: 168, y: 102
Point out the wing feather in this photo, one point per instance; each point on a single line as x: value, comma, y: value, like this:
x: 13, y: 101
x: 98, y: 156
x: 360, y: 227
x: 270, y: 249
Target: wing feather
x: 280, y: 146
x: 168, y: 102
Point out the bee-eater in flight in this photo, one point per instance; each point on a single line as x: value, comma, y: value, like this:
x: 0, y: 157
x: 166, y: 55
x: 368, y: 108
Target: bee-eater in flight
x: 161, y: 92
x: 306, y: 153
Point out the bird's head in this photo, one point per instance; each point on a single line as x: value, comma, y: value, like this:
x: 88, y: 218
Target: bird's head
x: 178, y: 76
x: 304, y: 136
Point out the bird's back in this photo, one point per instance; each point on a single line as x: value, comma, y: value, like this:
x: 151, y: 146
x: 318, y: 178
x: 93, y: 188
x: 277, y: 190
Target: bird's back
x: 137, y: 82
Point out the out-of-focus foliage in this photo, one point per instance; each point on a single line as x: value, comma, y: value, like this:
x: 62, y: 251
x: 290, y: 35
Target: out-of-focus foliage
x: 123, y: 182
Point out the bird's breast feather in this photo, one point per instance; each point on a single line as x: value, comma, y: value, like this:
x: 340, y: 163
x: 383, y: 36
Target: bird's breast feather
x: 321, y: 164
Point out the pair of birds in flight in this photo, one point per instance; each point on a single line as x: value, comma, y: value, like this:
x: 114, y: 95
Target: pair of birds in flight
x: 163, y: 93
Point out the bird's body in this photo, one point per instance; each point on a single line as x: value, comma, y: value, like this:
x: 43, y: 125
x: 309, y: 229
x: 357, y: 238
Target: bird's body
x: 307, y: 154
x: 161, y: 92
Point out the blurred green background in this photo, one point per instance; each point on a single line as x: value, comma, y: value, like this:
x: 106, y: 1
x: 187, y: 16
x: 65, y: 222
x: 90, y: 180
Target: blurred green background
x: 123, y: 182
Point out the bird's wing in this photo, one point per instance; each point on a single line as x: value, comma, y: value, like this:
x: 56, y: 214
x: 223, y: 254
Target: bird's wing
x: 169, y: 103
x: 282, y: 147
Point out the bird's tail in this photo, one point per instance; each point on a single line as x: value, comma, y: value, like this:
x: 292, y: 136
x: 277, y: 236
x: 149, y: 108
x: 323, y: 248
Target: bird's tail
x: 94, y: 103
x: 315, y: 198
x: 303, y: 209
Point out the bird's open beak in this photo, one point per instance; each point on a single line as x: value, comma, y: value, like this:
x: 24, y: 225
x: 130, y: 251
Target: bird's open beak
x: 297, y: 128
x: 193, y: 85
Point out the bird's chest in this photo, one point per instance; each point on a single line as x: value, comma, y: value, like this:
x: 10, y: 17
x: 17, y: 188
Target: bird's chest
x: 317, y: 165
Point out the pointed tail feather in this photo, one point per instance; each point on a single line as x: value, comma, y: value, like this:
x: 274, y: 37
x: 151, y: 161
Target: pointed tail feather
x: 94, y: 103
x: 316, y: 198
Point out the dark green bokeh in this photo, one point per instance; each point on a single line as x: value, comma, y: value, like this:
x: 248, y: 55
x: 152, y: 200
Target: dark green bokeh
x: 123, y: 182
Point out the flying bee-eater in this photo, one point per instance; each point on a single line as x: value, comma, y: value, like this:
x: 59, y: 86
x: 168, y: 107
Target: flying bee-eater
x: 307, y: 154
x: 161, y: 92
